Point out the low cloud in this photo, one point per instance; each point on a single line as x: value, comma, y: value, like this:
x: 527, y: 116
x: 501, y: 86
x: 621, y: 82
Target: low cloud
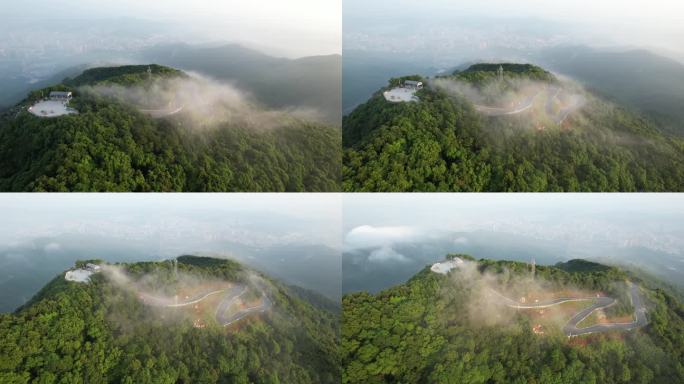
x: 203, y: 103
x: 539, y: 102
x: 491, y: 93
x: 378, y: 242
x: 366, y: 236
x: 52, y: 247
x: 171, y: 296
x: 385, y: 254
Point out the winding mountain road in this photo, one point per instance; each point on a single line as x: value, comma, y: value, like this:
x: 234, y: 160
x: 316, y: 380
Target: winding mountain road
x: 549, y: 100
x: 541, y: 304
x: 570, y: 329
x: 563, y: 113
x: 221, y: 315
x: 497, y: 111
x: 552, y: 94
x: 171, y: 303
x: 263, y: 307
x: 159, y: 113
x: 233, y: 294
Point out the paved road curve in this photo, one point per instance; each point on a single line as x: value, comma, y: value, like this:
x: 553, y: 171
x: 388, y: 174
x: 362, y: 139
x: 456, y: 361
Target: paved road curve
x: 570, y: 329
x: 497, y: 111
x: 229, y: 297
x: 233, y: 294
x: 541, y: 304
x: 263, y: 307
x: 225, y: 319
x: 168, y: 302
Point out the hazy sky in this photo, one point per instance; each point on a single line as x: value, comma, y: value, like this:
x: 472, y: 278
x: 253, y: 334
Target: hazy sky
x: 652, y: 12
x: 649, y: 220
x: 252, y: 219
x: 655, y: 24
x: 293, y: 27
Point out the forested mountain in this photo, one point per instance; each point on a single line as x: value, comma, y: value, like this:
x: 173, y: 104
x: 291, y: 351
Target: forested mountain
x: 522, y: 130
x: 113, y: 144
x: 452, y: 328
x: 109, y: 331
x: 307, y: 82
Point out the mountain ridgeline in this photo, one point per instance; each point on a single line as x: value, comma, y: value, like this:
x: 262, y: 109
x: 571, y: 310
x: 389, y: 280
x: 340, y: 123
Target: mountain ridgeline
x: 112, y: 144
x: 111, y: 331
x: 453, y: 327
x: 506, y: 127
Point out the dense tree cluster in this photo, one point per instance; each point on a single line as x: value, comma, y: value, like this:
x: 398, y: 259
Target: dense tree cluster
x: 419, y: 332
x: 123, y: 75
x: 98, y: 333
x: 110, y: 146
x: 442, y: 144
x: 482, y: 74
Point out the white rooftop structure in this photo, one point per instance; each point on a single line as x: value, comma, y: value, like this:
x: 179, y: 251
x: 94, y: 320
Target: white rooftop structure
x: 413, y: 84
x: 60, y: 95
x: 445, y: 266
x: 82, y: 275
x: 57, y: 104
x: 78, y: 275
x: 92, y: 267
x: 400, y: 95
x: 50, y: 108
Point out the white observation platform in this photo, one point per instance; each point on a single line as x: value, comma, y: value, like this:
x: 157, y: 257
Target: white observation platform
x: 404, y: 93
x: 57, y: 104
x: 445, y: 266
x: 82, y: 275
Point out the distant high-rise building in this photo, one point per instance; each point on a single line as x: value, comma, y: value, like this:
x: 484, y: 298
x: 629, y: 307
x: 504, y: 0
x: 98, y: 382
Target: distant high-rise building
x: 500, y: 72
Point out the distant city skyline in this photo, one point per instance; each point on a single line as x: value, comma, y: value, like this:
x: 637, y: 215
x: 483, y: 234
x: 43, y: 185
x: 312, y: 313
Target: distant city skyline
x: 294, y: 28
x: 251, y: 219
x: 526, y: 24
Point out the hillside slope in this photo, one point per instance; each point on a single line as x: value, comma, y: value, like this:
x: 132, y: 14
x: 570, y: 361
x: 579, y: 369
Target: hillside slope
x: 114, y: 145
x: 446, y: 328
x: 109, y: 332
x: 523, y: 130
x: 641, y: 79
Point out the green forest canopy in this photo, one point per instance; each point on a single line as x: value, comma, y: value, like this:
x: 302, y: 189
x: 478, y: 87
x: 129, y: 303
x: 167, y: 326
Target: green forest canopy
x: 419, y: 332
x: 99, y: 333
x: 442, y: 144
x: 110, y: 146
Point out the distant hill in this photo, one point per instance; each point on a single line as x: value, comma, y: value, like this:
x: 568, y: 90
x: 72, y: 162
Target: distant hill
x: 437, y: 328
x: 472, y: 131
x: 112, y: 145
x: 527, y: 71
x: 641, y: 79
x: 104, y: 331
x: 579, y: 265
x: 124, y: 75
x: 313, y: 82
